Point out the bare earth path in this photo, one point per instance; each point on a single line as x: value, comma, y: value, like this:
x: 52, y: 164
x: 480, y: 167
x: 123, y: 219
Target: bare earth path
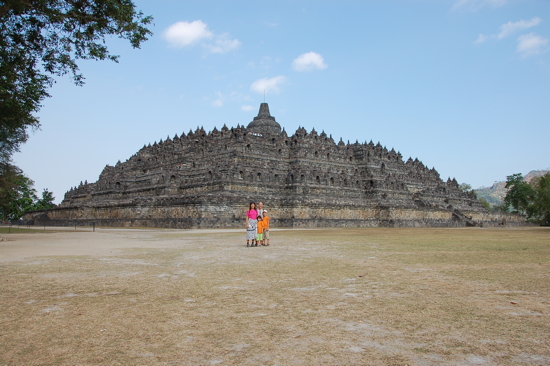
x: 315, y: 297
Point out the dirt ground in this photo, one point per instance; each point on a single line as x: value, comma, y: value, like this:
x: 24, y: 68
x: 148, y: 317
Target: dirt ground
x: 467, y: 296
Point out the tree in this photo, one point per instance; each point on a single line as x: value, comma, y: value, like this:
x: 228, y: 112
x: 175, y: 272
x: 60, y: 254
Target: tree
x: 485, y: 204
x: 8, y: 180
x: 519, y: 195
x: 529, y: 198
x: 40, y: 39
x: 17, y: 194
x: 540, y: 208
x: 45, y: 202
x: 465, y: 187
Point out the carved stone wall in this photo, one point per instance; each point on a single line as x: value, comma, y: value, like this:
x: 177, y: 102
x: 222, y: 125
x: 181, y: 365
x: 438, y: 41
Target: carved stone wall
x: 202, y: 179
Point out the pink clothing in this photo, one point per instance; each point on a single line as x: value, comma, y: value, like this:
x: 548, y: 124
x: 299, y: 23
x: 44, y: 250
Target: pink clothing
x: 252, y: 214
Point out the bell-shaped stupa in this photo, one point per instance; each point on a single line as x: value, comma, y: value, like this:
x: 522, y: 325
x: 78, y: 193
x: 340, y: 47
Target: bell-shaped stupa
x: 264, y: 122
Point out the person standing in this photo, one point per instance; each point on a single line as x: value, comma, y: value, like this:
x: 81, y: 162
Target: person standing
x: 261, y: 209
x: 261, y: 228
x: 251, y: 224
x: 266, y: 228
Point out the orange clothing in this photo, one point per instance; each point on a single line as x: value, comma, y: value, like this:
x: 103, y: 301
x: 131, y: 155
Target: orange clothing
x: 261, y: 226
x: 265, y: 221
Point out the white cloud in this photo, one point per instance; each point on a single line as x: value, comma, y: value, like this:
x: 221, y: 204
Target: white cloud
x: 482, y: 38
x: 219, y: 102
x: 309, y: 61
x: 474, y: 5
x: 219, y: 99
x: 511, y: 27
x: 247, y: 108
x: 183, y: 34
x: 268, y: 84
x: 223, y: 44
x: 531, y: 44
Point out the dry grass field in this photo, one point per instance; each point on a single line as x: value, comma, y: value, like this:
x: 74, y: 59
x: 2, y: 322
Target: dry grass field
x: 378, y: 296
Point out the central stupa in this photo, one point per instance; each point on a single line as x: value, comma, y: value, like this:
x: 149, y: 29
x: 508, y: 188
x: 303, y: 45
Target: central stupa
x: 264, y: 122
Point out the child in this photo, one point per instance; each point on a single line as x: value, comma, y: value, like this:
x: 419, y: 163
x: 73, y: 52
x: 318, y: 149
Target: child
x: 265, y: 224
x: 260, y: 235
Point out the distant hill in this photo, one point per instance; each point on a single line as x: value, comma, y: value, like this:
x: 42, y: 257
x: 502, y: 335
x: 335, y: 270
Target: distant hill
x: 496, y: 193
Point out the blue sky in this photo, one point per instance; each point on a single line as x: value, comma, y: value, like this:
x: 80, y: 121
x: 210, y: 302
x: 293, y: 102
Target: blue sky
x: 462, y: 85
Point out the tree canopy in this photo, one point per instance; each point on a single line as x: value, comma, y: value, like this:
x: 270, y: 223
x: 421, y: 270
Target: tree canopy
x: 465, y: 187
x: 17, y: 194
x: 529, y: 198
x: 40, y: 39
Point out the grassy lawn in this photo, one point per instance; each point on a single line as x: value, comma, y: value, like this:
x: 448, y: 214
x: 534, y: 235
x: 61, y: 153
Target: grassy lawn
x: 374, y: 296
x: 15, y: 230
x: 40, y: 229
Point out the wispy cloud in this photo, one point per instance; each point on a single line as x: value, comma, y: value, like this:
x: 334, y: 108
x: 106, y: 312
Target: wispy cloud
x: 223, y: 44
x: 482, y: 38
x: 268, y: 85
x: 309, y: 61
x: 528, y: 44
x: 219, y: 101
x: 247, y: 108
x: 182, y: 34
x: 510, y: 28
x: 531, y: 44
x: 270, y: 24
x: 474, y: 5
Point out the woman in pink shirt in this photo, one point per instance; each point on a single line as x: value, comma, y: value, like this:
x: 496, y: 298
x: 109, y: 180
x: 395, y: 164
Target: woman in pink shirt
x: 251, y: 225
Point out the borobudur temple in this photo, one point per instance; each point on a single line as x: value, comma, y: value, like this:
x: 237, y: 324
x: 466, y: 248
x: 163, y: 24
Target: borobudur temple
x: 206, y: 180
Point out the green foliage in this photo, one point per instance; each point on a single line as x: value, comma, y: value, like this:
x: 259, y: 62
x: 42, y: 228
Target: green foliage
x: 502, y: 208
x: 465, y: 187
x: 519, y: 194
x: 529, y: 198
x: 17, y: 194
x: 45, y: 202
x: 540, y: 208
x: 44, y: 38
x: 485, y: 204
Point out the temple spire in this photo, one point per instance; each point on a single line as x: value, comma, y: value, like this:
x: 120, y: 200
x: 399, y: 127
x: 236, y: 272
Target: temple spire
x: 264, y: 111
x: 264, y: 122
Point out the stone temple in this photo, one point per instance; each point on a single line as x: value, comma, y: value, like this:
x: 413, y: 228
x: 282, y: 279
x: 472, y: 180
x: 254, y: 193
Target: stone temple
x: 206, y: 180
